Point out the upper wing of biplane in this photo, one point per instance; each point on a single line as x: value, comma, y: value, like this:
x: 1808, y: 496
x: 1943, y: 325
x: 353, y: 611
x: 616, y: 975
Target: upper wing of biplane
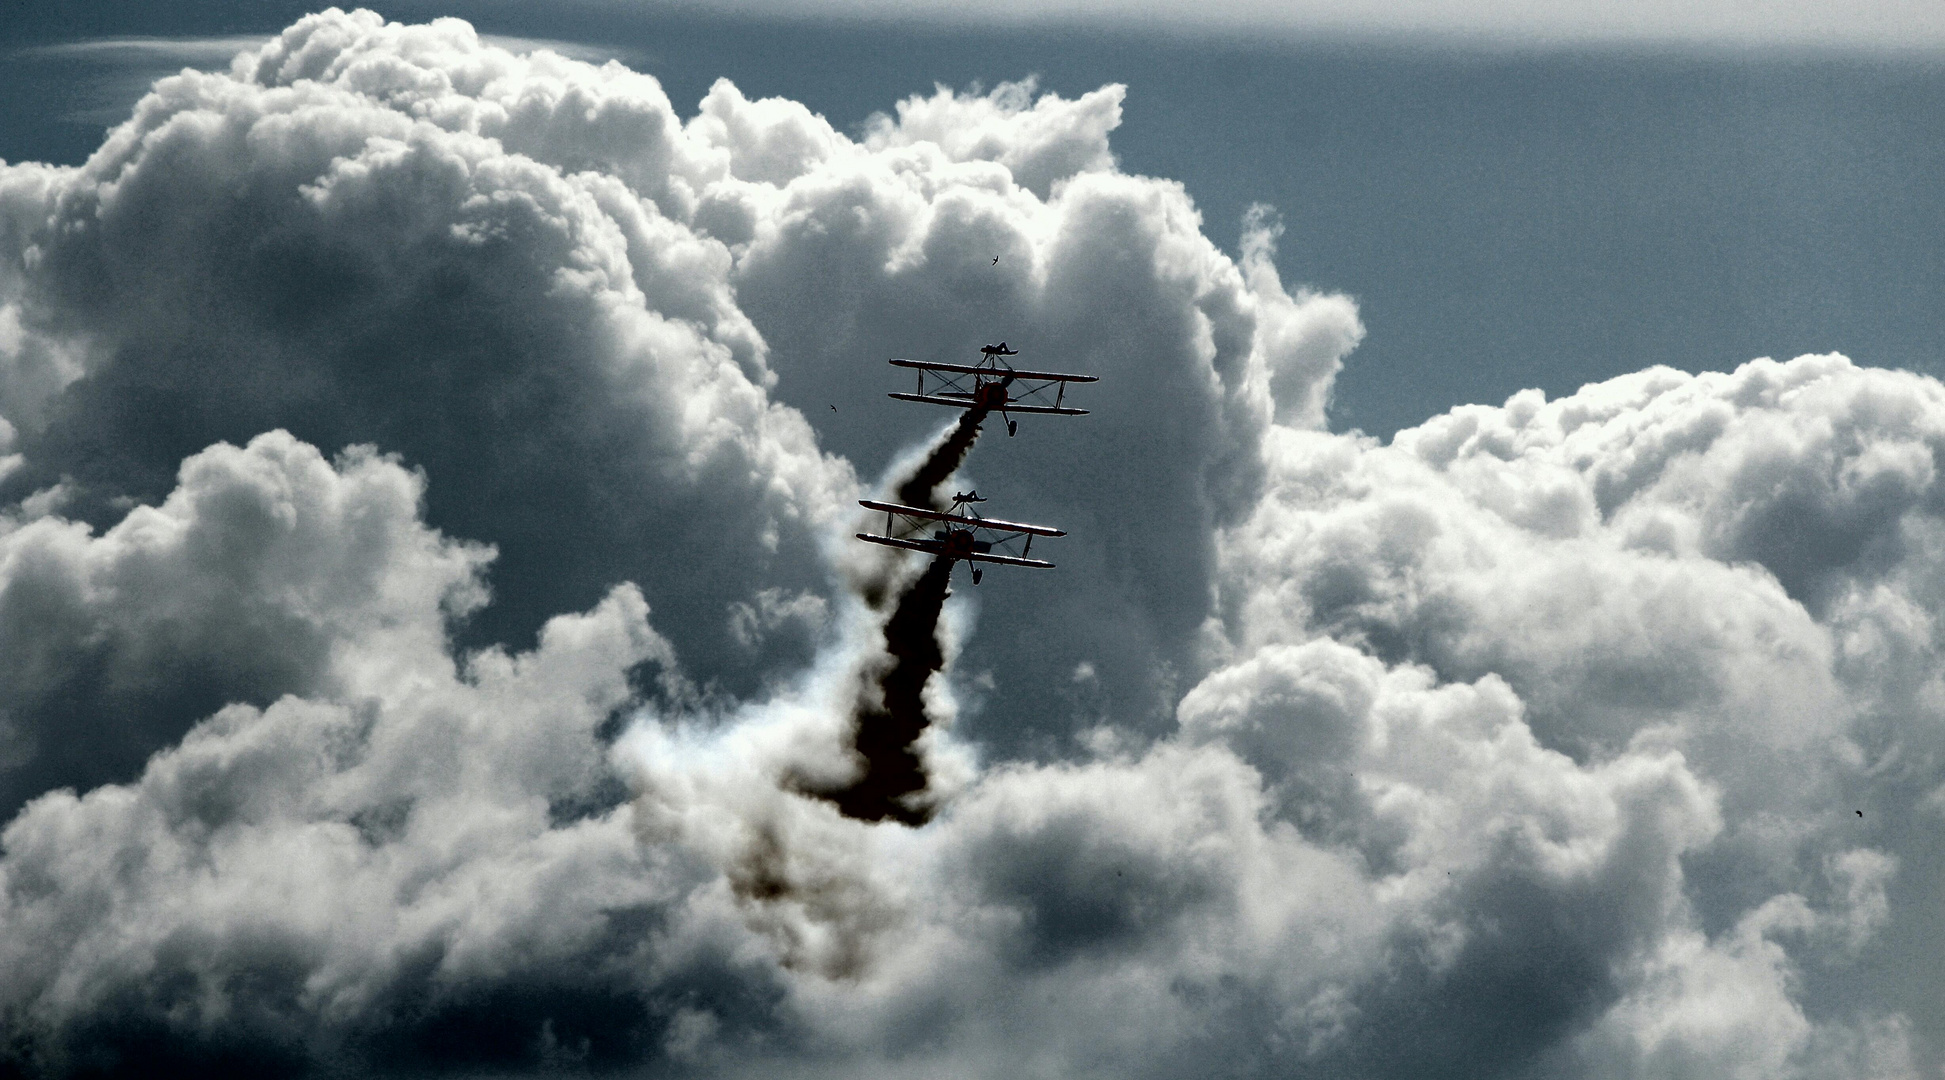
x: 967, y: 369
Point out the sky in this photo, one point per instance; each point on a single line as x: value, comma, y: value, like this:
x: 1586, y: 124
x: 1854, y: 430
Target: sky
x: 1494, y: 635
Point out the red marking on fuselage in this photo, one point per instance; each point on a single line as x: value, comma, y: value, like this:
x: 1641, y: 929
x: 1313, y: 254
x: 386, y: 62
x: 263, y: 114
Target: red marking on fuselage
x: 958, y: 543
x: 990, y: 395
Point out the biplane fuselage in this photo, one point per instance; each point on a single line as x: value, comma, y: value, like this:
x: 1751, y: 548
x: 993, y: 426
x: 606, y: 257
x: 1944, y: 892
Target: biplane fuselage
x: 960, y: 543
x: 990, y: 394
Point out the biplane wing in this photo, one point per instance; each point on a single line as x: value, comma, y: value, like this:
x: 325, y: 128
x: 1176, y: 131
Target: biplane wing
x: 960, y: 538
x: 936, y: 547
x: 1007, y: 560
x: 921, y: 514
x: 968, y: 369
x: 964, y: 401
x: 995, y: 387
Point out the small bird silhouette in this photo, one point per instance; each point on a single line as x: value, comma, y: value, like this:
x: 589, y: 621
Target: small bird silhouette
x: 833, y: 408
x: 996, y: 260
x: 1860, y: 813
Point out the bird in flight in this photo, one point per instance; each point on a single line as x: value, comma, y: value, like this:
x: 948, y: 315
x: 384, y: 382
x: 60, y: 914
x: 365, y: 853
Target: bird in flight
x: 996, y: 260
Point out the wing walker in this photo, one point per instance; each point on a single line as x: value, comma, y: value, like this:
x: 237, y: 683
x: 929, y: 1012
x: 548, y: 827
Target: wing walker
x: 962, y: 533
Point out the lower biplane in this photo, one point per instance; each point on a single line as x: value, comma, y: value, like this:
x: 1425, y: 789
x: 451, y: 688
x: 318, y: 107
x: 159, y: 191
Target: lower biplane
x: 958, y: 534
x: 992, y: 385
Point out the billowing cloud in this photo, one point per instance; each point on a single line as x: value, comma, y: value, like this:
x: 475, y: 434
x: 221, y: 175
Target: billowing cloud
x: 378, y: 256
x: 426, y: 600
x: 248, y: 582
x: 1725, y: 567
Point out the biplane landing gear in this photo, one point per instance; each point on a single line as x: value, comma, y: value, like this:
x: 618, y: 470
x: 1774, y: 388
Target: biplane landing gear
x: 977, y: 574
x: 1012, y: 428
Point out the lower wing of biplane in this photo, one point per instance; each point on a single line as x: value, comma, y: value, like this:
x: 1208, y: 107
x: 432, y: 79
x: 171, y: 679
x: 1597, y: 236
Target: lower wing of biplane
x: 958, y: 536
x: 1002, y: 389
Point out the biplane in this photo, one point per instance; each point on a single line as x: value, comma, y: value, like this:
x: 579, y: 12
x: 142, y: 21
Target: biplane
x: 958, y: 534
x: 992, y: 384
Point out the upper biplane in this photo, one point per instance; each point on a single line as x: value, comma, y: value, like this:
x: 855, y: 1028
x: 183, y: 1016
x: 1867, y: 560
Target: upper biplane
x: 991, y: 384
x: 958, y: 533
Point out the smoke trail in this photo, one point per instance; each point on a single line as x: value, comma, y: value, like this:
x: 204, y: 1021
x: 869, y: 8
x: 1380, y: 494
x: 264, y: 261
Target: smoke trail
x: 922, y: 487
x: 893, y: 781
x: 824, y: 915
x: 889, y: 717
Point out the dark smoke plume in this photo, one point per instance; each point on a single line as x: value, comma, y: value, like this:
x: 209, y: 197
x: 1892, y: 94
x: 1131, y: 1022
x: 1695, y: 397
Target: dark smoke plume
x: 891, y: 784
x: 922, y: 487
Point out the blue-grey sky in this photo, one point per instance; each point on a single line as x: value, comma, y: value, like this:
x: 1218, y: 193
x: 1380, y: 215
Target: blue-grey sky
x: 430, y: 454
x: 1506, y: 217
